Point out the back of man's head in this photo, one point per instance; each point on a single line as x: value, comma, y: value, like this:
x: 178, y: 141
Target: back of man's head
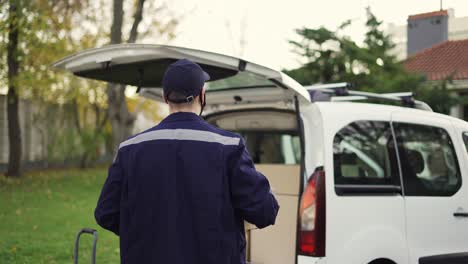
x: 177, y: 99
x: 183, y: 84
x: 185, y: 78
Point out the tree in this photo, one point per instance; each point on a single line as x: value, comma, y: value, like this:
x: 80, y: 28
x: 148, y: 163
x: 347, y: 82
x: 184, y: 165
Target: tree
x: 14, y: 132
x: 120, y: 118
x: 90, y: 118
x: 331, y: 57
x: 31, y: 25
x: 67, y: 114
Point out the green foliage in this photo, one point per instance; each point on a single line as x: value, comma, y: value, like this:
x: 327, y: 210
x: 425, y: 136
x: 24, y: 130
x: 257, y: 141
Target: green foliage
x: 76, y: 131
x: 439, y: 97
x: 42, y: 212
x: 44, y: 27
x: 68, y: 146
x: 63, y: 146
x: 329, y: 56
x: 50, y: 30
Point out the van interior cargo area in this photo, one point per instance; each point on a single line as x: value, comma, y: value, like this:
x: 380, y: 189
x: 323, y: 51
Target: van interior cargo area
x: 272, y: 139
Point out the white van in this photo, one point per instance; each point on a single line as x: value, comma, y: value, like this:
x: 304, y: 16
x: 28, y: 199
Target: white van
x: 357, y: 182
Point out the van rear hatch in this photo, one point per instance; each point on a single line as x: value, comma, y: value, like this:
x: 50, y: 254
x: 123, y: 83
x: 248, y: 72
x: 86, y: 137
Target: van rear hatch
x: 233, y: 81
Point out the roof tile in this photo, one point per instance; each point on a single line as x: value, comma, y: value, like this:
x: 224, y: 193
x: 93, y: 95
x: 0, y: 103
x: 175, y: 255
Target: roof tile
x: 427, y: 15
x: 440, y: 61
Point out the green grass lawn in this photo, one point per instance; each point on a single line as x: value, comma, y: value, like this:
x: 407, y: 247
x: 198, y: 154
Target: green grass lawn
x: 41, y: 213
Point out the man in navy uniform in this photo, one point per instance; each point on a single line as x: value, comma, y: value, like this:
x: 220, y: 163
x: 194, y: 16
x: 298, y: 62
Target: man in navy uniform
x: 179, y: 192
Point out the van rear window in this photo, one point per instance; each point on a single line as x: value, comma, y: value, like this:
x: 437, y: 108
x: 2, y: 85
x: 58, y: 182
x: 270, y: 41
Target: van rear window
x: 239, y: 80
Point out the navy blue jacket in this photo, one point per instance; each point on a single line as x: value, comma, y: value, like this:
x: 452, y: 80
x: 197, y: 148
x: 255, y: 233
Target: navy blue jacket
x: 179, y: 193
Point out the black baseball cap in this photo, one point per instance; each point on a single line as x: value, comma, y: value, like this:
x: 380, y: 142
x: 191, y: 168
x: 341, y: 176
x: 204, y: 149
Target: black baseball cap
x: 184, y: 77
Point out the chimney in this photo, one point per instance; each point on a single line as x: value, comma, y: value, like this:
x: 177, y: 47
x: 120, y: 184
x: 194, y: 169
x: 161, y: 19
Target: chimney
x: 425, y: 30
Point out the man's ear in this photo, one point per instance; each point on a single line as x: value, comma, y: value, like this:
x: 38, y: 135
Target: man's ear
x: 165, y: 98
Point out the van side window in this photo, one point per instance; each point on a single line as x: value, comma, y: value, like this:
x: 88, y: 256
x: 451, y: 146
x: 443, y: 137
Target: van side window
x: 364, y: 153
x: 428, y: 160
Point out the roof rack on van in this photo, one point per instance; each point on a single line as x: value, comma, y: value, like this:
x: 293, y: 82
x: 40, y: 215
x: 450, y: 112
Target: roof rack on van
x: 341, y: 92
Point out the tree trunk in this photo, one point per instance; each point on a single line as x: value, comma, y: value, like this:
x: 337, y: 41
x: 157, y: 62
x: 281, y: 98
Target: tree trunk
x: 14, y: 130
x: 121, y: 119
x: 84, y: 161
x: 116, y: 28
x: 137, y: 17
x: 114, y: 90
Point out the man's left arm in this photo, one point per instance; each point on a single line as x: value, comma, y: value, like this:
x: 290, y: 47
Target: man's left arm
x: 107, y: 212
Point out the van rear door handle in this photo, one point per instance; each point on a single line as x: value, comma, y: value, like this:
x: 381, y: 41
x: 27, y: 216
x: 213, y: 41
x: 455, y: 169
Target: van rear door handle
x: 460, y: 214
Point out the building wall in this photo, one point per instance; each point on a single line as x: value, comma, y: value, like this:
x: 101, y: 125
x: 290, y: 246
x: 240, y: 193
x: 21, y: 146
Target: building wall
x: 399, y: 37
x: 424, y: 33
x: 49, y: 135
x: 34, y: 146
x: 457, y: 29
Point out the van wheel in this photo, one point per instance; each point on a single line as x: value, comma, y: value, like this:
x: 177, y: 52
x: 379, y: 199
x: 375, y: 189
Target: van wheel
x: 382, y: 261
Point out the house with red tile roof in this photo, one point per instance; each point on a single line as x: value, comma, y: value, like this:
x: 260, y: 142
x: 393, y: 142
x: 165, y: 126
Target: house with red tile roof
x: 447, y: 60
x: 432, y: 53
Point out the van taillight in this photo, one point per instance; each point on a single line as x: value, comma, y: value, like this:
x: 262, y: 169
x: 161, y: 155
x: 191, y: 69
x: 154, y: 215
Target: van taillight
x: 312, y: 217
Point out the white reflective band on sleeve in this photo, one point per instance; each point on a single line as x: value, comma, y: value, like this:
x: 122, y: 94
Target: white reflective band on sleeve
x: 181, y: 134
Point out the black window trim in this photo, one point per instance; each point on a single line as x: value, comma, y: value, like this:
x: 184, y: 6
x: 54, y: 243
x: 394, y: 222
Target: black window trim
x: 459, y: 257
x: 367, y: 190
x: 465, y: 140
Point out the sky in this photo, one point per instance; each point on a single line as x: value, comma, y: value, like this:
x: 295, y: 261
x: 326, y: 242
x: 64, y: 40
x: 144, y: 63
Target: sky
x: 265, y: 26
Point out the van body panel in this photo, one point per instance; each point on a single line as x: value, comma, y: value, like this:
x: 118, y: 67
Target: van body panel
x: 432, y: 228
x: 312, y: 120
x: 461, y: 128
x: 311, y: 260
x: 355, y: 223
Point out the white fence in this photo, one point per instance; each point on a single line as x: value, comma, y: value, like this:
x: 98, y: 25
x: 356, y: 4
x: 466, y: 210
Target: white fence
x: 34, y: 140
